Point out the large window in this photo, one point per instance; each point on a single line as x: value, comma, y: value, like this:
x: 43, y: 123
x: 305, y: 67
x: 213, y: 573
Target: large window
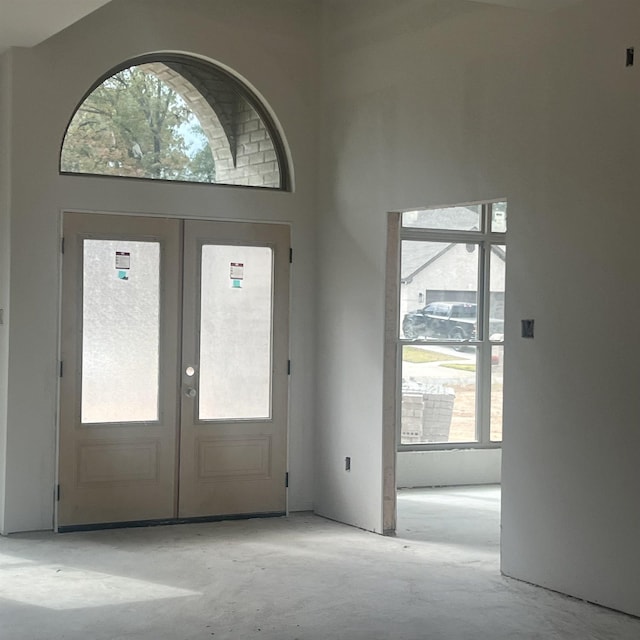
x: 451, y: 325
x: 173, y: 117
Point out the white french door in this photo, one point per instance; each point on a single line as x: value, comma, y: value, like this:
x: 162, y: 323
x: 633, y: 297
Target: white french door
x: 174, y: 386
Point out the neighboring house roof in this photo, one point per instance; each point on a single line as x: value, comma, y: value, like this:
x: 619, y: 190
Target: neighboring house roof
x: 418, y: 255
x: 424, y: 254
x: 427, y: 258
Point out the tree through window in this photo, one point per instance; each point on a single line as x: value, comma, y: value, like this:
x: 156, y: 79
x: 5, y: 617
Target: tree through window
x: 174, y: 119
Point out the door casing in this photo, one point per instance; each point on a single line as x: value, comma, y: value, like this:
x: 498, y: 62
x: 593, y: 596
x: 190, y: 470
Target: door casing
x: 161, y: 442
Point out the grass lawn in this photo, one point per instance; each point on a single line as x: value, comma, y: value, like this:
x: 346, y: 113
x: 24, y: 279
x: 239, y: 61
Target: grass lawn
x: 461, y: 367
x: 418, y: 355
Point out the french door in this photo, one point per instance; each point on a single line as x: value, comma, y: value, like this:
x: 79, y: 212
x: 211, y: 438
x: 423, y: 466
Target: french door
x: 174, y: 387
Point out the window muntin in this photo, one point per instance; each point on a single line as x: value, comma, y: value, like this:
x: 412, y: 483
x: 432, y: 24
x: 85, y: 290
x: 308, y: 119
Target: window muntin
x: 451, y: 328
x: 174, y: 118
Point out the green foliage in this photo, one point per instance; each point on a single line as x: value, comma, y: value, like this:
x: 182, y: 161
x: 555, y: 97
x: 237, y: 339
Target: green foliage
x: 202, y: 167
x: 134, y: 125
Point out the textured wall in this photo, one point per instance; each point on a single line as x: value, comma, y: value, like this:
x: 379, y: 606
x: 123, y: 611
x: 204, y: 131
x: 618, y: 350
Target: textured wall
x: 427, y: 104
x: 5, y: 247
x: 62, y: 69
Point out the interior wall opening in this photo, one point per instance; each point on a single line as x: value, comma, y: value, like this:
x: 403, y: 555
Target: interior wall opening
x: 445, y: 349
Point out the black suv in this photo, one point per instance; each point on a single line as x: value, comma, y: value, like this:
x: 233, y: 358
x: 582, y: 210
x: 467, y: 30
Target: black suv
x: 442, y: 321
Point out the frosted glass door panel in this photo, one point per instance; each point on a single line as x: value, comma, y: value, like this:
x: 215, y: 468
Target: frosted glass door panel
x: 120, y: 331
x: 235, y: 332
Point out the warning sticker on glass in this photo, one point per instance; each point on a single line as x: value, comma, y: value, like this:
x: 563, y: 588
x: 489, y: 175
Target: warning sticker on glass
x: 237, y: 271
x: 123, y: 260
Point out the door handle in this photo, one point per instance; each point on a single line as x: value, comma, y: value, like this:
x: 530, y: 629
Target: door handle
x: 190, y: 392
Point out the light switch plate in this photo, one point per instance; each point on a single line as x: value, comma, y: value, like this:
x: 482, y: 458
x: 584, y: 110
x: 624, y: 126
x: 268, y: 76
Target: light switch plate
x: 527, y: 328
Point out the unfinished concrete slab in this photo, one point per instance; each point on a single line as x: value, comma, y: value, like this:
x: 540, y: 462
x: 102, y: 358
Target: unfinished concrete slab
x: 300, y: 577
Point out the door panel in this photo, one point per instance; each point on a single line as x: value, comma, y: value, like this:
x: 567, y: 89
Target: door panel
x: 173, y: 333
x: 233, y: 435
x: 119, y: 349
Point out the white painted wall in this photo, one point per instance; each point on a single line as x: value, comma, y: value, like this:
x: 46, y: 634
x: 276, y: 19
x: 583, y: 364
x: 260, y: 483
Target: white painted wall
x: 571, y: 472
x: 399, y: 103
x: 448, y: 468
x: 428, y: 103
x: 532, y: 5
x: 5, y: 227
x: 271, y: 43
x: 29, y: 22
x: 423, y: 104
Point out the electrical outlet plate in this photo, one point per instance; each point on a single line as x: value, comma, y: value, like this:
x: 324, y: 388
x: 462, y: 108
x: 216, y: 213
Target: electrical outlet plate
x: 527, y: 328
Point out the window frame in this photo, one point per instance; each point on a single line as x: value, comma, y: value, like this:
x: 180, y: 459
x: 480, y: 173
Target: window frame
x: 485, y: 239
x: 240, y: 86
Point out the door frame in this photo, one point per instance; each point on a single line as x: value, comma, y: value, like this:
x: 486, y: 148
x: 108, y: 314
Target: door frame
x: 182, y: 218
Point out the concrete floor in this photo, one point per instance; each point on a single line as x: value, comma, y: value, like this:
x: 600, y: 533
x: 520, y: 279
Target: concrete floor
x: 300, y: 577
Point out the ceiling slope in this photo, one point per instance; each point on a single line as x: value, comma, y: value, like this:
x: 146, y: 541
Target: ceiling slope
x: 532, y: 5
x: 25, y: 23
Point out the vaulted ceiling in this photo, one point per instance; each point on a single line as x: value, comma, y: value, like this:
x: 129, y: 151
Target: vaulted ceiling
x: 531, y: 5
x: 25, y: 23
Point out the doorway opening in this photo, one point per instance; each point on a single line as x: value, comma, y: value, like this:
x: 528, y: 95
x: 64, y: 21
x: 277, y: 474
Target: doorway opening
x: 444, y: 348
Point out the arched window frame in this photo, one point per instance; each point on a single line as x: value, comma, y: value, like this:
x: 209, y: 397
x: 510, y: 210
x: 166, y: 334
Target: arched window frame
x: 203, y: 66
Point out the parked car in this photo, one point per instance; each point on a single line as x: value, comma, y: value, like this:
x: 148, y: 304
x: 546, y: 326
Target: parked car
x: 442, y: 321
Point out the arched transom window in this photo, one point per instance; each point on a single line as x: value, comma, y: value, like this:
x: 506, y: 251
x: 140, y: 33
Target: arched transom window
x: 174, y: 118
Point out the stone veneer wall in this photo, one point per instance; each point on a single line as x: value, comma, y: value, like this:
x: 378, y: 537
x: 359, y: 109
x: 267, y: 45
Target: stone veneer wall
x: 256, y: 160
x: 242, y: 148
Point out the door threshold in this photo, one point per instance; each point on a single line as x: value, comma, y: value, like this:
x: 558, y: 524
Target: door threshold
x: 130, y: 524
